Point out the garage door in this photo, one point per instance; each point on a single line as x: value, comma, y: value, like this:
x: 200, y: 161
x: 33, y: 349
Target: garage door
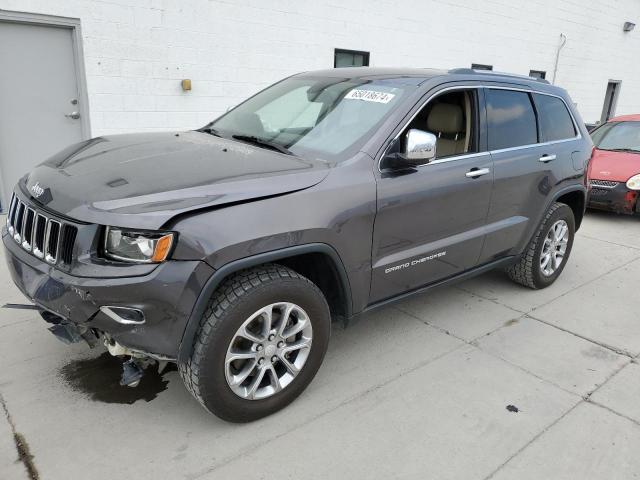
x: 40, y: 111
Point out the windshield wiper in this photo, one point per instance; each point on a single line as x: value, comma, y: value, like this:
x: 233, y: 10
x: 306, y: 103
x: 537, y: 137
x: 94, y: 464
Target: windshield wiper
x: 212, y: 131
x: 261, y: 142
x: 622, y: 150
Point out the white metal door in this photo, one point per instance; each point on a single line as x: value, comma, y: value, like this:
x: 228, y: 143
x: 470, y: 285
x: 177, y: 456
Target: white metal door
x: 39, y: 98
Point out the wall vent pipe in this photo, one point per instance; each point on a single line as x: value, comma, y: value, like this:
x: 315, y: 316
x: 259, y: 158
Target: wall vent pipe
x: 563, y: 41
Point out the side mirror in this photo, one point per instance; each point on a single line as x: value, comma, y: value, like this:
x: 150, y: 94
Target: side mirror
x: 420, y: 146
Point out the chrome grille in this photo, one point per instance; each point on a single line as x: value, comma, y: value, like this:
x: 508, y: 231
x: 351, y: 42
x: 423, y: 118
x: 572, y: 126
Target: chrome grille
x: 27, y: 228
x: 12, y: 214
x: 36, y: 232
x: 69, y: 233
x: 604, y: 184
x: 19, y: 223
x: 38, y: 240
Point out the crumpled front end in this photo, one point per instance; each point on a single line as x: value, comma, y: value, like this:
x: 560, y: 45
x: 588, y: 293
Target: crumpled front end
x: 143, y: 307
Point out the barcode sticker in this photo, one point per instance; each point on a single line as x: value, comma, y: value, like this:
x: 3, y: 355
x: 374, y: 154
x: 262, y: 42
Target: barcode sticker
x: 369, y: 96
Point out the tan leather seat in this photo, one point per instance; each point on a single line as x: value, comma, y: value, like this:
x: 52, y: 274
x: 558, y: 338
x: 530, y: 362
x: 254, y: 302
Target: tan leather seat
x: 447, y: 122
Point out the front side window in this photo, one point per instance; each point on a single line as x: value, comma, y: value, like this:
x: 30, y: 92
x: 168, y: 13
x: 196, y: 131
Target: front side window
x: 511, y: 119
x: 555, y: 120
x: 617, y: 136
x: 326, y: 117
x: 452, y: 117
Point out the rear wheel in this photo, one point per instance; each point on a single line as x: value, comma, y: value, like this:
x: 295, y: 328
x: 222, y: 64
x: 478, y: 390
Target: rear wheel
x: 260, y: 343
x: 549, y: 249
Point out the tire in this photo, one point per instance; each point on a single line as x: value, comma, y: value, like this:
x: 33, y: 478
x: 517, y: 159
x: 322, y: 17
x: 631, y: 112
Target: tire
x: 238, y: 300
x: 528, y: 271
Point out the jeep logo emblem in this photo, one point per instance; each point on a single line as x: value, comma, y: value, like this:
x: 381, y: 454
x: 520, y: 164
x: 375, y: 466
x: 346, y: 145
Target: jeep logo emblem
x: 37, y: 190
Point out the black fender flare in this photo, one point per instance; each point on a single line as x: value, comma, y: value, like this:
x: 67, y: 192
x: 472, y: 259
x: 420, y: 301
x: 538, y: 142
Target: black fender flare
x: 536, y: 222
x: 185, y: 348
x: 570, y: 189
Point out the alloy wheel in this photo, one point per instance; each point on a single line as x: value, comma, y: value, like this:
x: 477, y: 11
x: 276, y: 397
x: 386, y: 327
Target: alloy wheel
x: 268, y: 351
x: 554, y: 248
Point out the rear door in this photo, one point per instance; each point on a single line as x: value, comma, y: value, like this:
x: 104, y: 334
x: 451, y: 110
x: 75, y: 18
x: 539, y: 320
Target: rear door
x: 531, y: 157
x: 430, y: 221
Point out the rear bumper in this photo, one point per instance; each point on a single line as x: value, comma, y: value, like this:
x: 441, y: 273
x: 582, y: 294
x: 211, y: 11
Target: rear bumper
x: 167, y: 296
x: 618, y: 199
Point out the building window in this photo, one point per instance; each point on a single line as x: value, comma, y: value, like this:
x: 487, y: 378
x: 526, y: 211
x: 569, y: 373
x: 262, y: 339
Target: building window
x: 350, y: 58
x: 481, y: 66
x: 537, y: 74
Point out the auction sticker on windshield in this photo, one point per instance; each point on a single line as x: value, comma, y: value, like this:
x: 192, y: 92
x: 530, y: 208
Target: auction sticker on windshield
x: 369, y: 96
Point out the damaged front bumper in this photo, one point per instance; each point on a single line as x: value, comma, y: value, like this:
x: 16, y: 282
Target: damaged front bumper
x: 165, y: 297
x: 617, y: 199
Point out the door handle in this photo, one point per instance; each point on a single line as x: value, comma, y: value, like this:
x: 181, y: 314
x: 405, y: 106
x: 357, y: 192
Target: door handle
x: 73, y: 115
x: 477, y: 172
x: 547, y: 158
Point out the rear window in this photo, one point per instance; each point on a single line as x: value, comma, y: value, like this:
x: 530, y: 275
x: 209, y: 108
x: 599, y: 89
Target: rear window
x: 512, y: 121
x: 555, y: 120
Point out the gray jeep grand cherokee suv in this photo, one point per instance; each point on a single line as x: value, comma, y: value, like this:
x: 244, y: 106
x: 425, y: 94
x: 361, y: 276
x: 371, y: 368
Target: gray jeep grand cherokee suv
x: 231, y: 249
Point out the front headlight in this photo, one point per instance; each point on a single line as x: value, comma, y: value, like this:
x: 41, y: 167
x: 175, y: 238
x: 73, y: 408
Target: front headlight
x: 139, y: 247
x: 634, y: 182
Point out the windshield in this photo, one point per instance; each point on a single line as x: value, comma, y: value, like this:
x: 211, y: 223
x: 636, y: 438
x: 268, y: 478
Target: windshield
x: 326, y: 117
x: 623, y: 136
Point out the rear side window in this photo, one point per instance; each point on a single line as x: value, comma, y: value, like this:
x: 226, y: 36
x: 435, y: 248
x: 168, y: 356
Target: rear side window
x: 512, y: 121
x: 555, y: 120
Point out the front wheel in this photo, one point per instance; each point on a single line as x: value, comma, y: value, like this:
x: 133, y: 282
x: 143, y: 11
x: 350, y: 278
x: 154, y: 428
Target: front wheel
x: 547, y: 253
x: 260, y: 343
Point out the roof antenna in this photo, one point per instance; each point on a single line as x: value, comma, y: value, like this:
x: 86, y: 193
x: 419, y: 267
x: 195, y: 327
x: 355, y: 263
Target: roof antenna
x: 563, y: 40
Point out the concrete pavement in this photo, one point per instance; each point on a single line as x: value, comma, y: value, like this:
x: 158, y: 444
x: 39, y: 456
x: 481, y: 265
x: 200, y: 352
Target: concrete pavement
x: 416, y: 390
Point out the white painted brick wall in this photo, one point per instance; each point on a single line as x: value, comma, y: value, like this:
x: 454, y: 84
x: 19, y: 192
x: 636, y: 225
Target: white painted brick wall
x: 137, y: 51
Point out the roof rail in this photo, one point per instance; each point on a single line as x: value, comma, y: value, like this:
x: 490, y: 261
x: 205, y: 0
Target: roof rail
x: 468, y: 71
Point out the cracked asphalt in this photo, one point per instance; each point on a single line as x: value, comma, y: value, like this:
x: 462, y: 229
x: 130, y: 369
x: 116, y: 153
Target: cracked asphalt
x: 417, y: 390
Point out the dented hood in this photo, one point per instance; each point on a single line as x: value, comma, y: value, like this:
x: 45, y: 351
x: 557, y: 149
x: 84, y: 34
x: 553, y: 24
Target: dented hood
x: 143, y: 180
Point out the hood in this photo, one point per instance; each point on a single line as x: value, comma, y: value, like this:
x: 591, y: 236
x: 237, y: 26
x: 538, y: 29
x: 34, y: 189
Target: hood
x: 143, y: 180
x: 614, y: 166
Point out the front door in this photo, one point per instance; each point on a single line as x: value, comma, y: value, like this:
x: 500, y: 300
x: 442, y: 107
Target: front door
x: 39, y: 98
x: 430, y: 221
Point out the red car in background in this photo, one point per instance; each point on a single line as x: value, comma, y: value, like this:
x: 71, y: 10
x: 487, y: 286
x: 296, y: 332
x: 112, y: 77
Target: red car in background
x: 614, y: 169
